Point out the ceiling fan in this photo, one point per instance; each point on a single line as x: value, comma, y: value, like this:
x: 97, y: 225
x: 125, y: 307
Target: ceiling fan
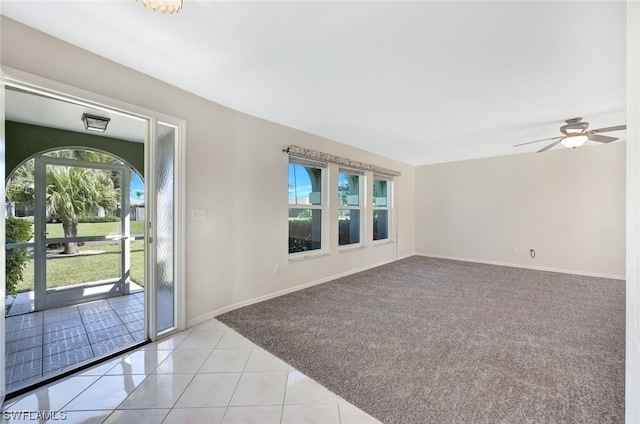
x: 576, y: 134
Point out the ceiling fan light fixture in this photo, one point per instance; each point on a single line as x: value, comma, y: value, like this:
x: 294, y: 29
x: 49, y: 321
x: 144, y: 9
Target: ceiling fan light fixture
x: 163, y: 6
x: 95, y: 123
x: 576, y: 134
x: 572, y: 141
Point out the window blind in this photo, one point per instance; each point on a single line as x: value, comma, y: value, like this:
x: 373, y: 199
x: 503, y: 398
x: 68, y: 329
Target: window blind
x: 351, y: 171
x: 298, y: 160
x: 382, y: 177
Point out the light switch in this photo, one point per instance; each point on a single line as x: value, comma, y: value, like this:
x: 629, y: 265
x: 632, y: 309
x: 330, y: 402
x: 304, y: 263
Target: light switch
x: 198, y: 214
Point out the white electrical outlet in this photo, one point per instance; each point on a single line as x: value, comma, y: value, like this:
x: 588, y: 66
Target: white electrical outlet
x: 512, y: 248
x: 276, y: 269
x: 198, y: 214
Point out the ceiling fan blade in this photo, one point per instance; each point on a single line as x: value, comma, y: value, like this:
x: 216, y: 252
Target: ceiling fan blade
x: 607, y: 129
x: 537, y: 141
x: 602, y: 138
x: 555, y: 143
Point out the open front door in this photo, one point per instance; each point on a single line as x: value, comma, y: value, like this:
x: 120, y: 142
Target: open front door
x: 147, y: 251
x: 165, y: 243
x: 56, y: 242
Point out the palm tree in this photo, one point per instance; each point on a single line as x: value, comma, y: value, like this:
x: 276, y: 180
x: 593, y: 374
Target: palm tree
x: 74, y: 192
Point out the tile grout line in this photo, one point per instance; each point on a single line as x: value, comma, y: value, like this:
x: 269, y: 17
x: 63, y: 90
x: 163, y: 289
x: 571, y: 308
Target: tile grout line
x: 239, y: 378
x: 41, y: 360
x: 284, y: 397
x: 84, y: 327
x: 186, y: 385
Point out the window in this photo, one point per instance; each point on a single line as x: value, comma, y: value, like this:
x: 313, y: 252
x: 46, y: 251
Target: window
x: 306, y: 204
x: 356, y: 208
x: 350, y: 206
x: 381, y: 207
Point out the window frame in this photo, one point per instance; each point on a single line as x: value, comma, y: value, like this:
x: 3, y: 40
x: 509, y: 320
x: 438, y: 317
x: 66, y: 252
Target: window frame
x: 361, y: 207
x: 389, y: 208
x: 322, y: 207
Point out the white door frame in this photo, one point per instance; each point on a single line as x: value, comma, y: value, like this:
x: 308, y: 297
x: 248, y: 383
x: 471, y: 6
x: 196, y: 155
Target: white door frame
x: 17, y: 78
x: 3, y: 287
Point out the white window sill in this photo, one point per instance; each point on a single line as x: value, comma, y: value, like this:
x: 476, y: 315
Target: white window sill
x: 351, y: 248
x: 382, y: 242
x: 305, y: 257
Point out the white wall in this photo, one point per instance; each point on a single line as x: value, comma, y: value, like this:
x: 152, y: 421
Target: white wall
x: 261, y: 200
x: 567, y: 204
x: 236, y: 170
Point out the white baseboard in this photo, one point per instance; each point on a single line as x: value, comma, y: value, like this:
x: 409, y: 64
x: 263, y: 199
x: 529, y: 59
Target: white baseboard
x: 213, y: 314
x: 537, y: 268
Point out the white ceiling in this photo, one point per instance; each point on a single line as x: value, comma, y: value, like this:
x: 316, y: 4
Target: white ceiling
x: 421, y: 82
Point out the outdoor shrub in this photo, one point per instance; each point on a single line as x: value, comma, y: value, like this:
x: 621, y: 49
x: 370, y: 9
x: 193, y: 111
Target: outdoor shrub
x: 28, y: 219
x: 96, y: 219
x: 300, y: 235
x: 17, y: 231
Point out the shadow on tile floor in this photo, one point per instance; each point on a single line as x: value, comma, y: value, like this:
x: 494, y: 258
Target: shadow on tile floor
x: 39, y: 345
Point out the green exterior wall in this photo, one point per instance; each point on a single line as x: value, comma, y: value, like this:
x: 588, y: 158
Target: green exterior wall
x: 25, y: 140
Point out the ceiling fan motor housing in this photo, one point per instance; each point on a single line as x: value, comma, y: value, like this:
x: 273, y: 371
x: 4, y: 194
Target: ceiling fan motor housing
x: 574, y: 126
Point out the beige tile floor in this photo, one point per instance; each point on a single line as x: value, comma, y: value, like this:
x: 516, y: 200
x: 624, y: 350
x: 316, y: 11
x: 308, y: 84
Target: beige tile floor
x: 206, y: 374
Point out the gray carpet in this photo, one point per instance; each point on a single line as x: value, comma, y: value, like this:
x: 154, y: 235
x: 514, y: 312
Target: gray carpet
x: 426, y: 340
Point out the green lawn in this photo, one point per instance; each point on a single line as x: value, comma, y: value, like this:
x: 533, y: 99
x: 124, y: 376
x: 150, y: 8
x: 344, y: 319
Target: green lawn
x: 66, y: 271
x: 97, y: 229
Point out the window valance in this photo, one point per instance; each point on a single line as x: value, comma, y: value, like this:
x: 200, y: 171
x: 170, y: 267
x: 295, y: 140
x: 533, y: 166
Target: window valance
x: 314, y: 154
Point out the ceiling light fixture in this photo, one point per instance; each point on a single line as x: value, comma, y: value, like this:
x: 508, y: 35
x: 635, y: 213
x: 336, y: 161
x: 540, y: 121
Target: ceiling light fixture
x: 95, y: 123
x: 574, y: 140
x: 163, y: 6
